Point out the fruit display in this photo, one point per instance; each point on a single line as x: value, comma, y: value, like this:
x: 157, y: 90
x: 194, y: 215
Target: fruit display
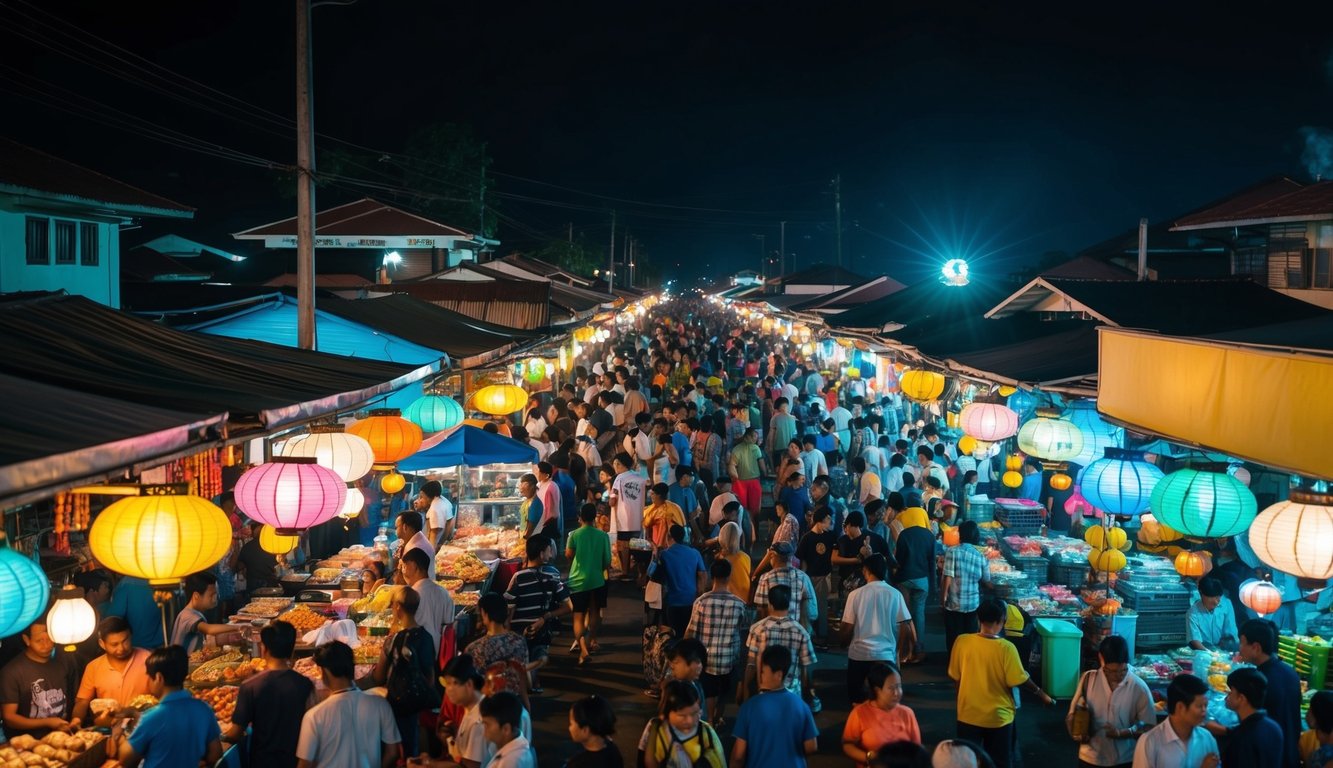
x: 223, y: 701
x: 369, y: 650
x: 375, y: 602
x: 55, y: 750
x: 468, y: 568
x: 466, y: 599
x: 211, y: 671
x: 266, y: 607
x: 303, y: 619
x: 206, y: 654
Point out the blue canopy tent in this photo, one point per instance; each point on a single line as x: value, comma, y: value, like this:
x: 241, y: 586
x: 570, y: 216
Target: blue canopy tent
x: 471, y: 447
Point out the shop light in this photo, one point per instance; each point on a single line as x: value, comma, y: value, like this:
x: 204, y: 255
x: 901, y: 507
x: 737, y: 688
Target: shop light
x: 1205, y: 504
x: 499, y: 400
x: 1294, y: 535
x: 24, y: 590
x: 988, y: 419
x: 433, y: 413
x: 349, y: 456
x: 275, y: 543
x: 1261, y: 597
x: 1050, y: 437
x: 290, y: 494
x: 391, y: 437
x: 71, y: 620
x: 1121, y: 483
x: 162, y: 539
x: 922, y: 386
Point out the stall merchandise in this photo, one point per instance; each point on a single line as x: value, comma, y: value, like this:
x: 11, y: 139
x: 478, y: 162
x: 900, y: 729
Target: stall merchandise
x: 81, y: 749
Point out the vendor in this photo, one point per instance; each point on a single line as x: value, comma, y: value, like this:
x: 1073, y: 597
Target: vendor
x: 409, y: 532
x: 1211, y: 621
x: 261, y: 568
x: 120, y: 673
x: 36, y: 686
x: 201, y: 594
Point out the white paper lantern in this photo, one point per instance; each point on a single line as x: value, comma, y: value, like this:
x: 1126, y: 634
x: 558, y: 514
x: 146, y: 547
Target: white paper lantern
x: 71, y: 620
x: 349, y: 456
x: 988, y: 421
x: 1296, y: 535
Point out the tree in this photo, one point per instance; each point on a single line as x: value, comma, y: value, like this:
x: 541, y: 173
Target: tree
x: 578, y: 256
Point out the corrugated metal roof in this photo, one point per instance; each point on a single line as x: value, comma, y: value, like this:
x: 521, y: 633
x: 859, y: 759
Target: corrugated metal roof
x: 365, y: 217
x: 514, y: 303
x: 24, y: 169
x: 1276, y: 198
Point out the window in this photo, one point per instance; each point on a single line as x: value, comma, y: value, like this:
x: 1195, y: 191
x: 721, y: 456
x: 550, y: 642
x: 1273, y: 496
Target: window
x: 65, y: 242
x: 38, y: 240
x: 1322, y: 276
x: 88, y: 244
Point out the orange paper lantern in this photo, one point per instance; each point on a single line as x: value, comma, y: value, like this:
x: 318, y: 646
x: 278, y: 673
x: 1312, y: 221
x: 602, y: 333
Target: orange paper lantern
x: 1061, y: 482
x: 1194, y: 565
x: 391, y: 437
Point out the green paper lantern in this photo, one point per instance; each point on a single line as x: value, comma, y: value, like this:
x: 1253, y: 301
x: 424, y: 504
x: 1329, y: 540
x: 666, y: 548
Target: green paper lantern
x: 434, y: 413
x: 1204, y: 504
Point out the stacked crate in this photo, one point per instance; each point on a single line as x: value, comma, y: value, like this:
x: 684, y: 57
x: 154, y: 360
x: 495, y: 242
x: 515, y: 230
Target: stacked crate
x: 1308, y: 659
x: 1161, y: 612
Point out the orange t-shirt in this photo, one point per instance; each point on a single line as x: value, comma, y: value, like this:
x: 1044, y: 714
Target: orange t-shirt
x: 870, y: 727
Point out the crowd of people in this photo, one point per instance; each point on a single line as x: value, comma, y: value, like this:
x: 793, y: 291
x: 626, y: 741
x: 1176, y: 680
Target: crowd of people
x: 764, y: 510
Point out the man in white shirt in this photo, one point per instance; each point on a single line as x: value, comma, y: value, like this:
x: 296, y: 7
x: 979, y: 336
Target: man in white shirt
x: 350, y: 727
x: 628, y: 492
x: 409, y: 532
x: 1119, y: 703
x: 549, y: 493
x: 1180, y: 741
x: 439, y: 512
x: 875, y: 620
x: 436, y: 609
x: 502, y: 722
x: 720, y: 501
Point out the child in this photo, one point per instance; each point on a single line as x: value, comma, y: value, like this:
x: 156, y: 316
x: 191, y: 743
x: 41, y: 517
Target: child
x: 678, y: 735
x: 201, y: 594
x: 688, y: 659
x: 592, y: 723
x: 501, y: 719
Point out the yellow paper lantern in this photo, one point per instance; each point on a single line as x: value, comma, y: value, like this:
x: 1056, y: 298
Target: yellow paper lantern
x: 1006, y: 390
x: 1061, y: 482
x: 951, y: 419
x: 853, y: 373
x: 1117, y: 539
x: 392, y: 483
x: 967, y: 444
x: 1107, y: 560
x: 922, y: 386
x: 1194, y: 565
x: 275, y: 543
x: 1013, y: 462
x: 584, y: 335
x: 1095, y: 536
x: 355, y: 501
x: 391, y: 437
x: 161, y: 539
x: 1012, y: 479
x: 500, y: 399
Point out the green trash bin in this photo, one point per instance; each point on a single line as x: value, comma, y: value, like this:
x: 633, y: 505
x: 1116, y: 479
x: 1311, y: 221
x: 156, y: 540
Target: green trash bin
x: 1061, y: 649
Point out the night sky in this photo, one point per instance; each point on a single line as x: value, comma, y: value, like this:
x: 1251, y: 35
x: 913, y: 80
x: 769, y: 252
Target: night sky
x: 985, y: 131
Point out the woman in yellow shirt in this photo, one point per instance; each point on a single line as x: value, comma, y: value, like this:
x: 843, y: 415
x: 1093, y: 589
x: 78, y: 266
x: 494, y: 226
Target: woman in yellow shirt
x: 729, y: 540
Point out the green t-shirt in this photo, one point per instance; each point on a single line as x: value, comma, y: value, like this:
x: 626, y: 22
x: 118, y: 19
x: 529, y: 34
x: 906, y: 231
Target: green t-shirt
x: 747, y: 457
x: 592, y: 556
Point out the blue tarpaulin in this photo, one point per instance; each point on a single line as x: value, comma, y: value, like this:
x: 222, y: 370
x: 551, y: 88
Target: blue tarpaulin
x: 472, y: 447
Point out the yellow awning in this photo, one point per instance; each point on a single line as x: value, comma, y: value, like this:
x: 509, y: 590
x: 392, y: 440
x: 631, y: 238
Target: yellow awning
x: 1270, y: 405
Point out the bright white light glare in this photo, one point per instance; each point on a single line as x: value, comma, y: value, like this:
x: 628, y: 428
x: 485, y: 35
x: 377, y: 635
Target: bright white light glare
x: 954, y: 272
x: 393, y: 258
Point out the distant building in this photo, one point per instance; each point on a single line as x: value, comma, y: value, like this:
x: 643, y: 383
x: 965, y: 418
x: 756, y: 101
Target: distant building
x: 746, y: 277
x: 60, y: 224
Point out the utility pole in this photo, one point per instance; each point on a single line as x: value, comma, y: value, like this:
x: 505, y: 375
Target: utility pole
x: 611, y: 257
x: 571, y: 233
x: 837, y: 213
x: 782, y: 248
x: 481, y: 198
x: 305, y: 181
x: 763, y: 255
x: 632, y: 248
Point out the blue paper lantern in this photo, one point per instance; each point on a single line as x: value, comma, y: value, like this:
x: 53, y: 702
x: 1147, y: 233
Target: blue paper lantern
x: 24, y: 590
x: 1023, y: 403
x: 1206, y: 504
x: 1121, y: 483
x: 434, y: 413
x: 1097, y: 434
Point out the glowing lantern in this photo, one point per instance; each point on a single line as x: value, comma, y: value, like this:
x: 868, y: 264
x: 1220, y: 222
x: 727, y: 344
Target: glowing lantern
x: 1193, y: 565
x: 952, y: 537
x: 71, y: 620
x: 163, y: 539
x: 1097, y: 434
x: 967, y: 444
x: 951, y: 419
x: 275, y: 543
x: 355, y: 501
x: 1023, y: 403
x: 434, y: 413
x: 1006, y: 390
x: 988, y: 420
x: 1011, y: 479
x: 1206, y: 504
x: 500, y: 399
x: 1107, y: 560
x: 853, y: 373
x: 1121, y: 483
x: 391, y: 437
x: 392, y: 483
x: 1050, y: 437
x: 1061, y: 482
x: 1077, y: 506
x: 349, y: 456
x: 24, y: 590
x: 922, y: 386
x: 1293, y: 535
x: 290, y: 494
x: 1013, y: 462
x: 1261, y: 596
x: 584, y: 335
x: 536, y: 371
x: 1105, y: 538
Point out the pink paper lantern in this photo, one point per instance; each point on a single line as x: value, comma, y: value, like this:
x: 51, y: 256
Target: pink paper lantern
x: 1261, y: 597
x: 1077, y: 506
x: 291, y: 493
x: 988, y: 421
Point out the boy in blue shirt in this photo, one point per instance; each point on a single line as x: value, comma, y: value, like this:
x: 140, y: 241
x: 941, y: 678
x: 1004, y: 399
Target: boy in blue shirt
x: 180, y: 730
x: 774, y: 727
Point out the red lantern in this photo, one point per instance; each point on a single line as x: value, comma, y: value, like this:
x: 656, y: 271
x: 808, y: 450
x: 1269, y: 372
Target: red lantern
x: 1261, y: 597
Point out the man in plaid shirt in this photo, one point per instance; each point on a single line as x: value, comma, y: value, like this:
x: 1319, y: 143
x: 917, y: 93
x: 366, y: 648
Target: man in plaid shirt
x: 801, y: 589
x: 717, y: 621
x: 780, y: 629
x: 965, y: 571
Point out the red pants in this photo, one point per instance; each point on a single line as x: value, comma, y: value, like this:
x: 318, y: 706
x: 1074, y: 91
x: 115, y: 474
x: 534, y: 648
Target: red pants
x: 749, y: 494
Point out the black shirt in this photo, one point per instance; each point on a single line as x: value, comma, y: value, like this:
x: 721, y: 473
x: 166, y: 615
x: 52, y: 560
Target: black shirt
x: 1255, y: 743
x: 260, y: 566
x: 601, y: 418
x: 849, y: 547
x: 609, y: 757
x: 1283, y: 705
x: 273, y: 704
x: 816, y: 552
x: 916, y: 554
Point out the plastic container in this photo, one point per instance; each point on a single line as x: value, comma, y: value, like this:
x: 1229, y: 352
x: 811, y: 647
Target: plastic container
x: 1022, y: 516
x: 1061, y: 644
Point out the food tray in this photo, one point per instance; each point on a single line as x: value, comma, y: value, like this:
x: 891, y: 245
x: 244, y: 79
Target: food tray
x: 977, y: 511
x: 1175, y: 599
x: 1019, y: 515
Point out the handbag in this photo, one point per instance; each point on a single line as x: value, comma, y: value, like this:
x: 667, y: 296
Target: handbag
x: 408, y: 689
x: 1079, y: 720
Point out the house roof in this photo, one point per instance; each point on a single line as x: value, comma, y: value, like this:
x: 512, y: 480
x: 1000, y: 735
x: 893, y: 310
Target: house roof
x: 1085, y: 267
x: 429, y: 325
x: 1068, y: 355
x: 71, y: 342
x: 853, y: 295
x: 571, y: 298
x: 822, y: 274
x: 364, y: 218
x: 1313, y: 334
x: 28, y: 171
x: 1272, y: 201
x: 511, y: 303
x: 926, y: 302
x: 327, y: 282
x: 541, y: 268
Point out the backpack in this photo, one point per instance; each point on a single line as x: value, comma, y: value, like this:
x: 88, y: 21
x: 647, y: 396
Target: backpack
x: 505, y: 675
x: 656, y: 665
x: 409, y: 690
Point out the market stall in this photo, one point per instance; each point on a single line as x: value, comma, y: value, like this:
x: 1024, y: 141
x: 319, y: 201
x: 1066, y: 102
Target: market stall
x: 484, y: 467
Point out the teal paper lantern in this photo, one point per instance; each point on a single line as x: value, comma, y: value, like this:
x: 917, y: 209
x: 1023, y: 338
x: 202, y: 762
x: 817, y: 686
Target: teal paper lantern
x: 1097, y: 434
x: 434, y: 413
x: 1023, y: 403
x: 1205, y: 504
x: 1121, y: 483
x: 24, y: 590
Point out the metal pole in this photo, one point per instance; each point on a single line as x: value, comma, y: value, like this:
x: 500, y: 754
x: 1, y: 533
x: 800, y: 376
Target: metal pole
x: 1143, y: 250
x: 837, y: 213
x: 611, y: 257
x: 305, y: 182
x: 782, y: 248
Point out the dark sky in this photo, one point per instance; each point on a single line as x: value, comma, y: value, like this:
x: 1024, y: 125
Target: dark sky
x: 990, y: 131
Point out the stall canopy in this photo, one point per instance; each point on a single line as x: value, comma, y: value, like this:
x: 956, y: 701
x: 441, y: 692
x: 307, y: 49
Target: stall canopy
x: 473, y: 447
x: 1255, y: 401
x: 51, y: 435
x: 71, y: 342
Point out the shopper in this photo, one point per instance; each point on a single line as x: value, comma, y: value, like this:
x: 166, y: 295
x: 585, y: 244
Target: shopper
x: 1119, y: 704
x: 774, y: 727
x: 439, y: 512
x: 1179, y: 741
x: 36, y: 688
x: 915, y: 550
x: 588, y: 551
x: 716, y: 620
x: 180, y: 730
x: 875, y: 624
x: 881, y: 720
x: 746, y: 464
x: 1282, y: 701
x: 502, y: 725
x: 815, y: 553
x: 965, y: 572
x: 592, y: 725
x: 678, y: 735
x: 537, y: 596
x: 409, y: 530
x: 460, y: 725
x: 987, y: 669
x: 629, y: 491
x: 500, y: 652
x: 683, y: 580
x: 778, y: 628
x: 407, y: 652
x: 272, y: 703
x: 121, y: 673
x: 1257, y: 741
x: 350, y: 727
x: 435, y: 606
